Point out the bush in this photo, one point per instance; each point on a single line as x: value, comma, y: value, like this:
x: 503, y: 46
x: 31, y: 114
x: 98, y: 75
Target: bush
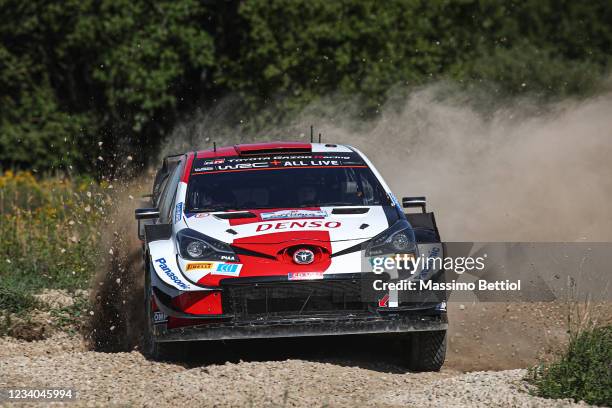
x: 584, y: 372
x: 50, y: 234
x: 14, y: 298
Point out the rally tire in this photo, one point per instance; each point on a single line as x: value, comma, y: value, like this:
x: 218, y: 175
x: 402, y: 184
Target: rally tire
x: 425, y: 351
x: 152, y: 349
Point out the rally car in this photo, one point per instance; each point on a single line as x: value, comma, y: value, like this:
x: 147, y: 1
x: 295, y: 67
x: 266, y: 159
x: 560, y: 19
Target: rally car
x: 277, y: 240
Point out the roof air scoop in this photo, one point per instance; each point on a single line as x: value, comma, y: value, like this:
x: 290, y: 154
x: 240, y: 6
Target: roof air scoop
x: 257, y: 149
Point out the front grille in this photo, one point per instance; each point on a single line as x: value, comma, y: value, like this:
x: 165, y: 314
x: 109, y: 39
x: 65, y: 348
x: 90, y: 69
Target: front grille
x: 293, y: 298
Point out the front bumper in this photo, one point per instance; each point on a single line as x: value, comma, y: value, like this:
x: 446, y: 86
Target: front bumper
x: 268, y: 307
x: 311, y: 326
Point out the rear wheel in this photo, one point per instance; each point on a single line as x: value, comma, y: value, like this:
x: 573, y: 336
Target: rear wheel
x: 424, y: 351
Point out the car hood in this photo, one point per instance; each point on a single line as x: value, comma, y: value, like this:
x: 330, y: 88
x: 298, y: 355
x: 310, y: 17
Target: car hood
x: 269, y: 226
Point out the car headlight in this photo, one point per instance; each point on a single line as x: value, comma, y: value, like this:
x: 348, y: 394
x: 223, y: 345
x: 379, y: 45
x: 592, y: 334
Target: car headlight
x: 398, y: 239
x: 196, y: 249
x: 196, y: 246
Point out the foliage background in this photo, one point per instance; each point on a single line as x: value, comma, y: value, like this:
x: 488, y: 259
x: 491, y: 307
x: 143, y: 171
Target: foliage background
x: 50, y: 235
x: 88, y: 87
x: 75, y: 74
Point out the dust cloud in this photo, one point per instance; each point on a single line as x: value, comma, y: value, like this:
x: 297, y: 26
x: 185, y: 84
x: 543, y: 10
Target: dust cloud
x: 117, y: 294
x: 491, y: 171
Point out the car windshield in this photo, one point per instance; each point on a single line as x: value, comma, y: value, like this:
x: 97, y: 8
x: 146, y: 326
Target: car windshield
x: 284, y: 188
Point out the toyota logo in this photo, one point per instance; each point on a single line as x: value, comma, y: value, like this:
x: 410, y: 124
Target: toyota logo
x: 303, y: 256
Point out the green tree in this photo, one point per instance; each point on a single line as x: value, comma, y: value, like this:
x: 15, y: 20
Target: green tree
x: 293, y: 51
x: 83, y: 72
x: 77, y: 73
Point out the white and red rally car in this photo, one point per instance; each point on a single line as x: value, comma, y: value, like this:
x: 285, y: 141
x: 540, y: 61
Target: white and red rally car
x: 277, y: 240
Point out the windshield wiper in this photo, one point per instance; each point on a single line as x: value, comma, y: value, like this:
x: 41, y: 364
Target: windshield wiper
x: 209, y: 209
x: 339, y: 204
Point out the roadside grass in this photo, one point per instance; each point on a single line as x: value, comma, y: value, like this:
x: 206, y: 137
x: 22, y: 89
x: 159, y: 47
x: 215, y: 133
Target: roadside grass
x: 70, y: 318
x: 49, y: 239
x: 15, y: 301
x: 583, y: 371
x: 15, y: 298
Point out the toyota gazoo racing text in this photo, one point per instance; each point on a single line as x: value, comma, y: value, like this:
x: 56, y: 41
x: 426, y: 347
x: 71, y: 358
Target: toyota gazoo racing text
x: 277, y: 240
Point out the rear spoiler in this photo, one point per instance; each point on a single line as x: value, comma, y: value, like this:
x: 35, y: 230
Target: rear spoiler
x: 414, y: 202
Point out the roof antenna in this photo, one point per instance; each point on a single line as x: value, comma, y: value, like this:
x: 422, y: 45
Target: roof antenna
x: 311, y: 134
x: 319, y: 137
x: 215, y: 147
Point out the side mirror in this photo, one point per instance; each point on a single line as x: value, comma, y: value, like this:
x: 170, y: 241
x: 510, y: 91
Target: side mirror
x: 414, y: 202
x: 145, y: 214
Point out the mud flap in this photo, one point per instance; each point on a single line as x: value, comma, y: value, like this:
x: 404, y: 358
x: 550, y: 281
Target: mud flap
x: 428, y: 239
x: 424, y: 225
x: 157, y: 232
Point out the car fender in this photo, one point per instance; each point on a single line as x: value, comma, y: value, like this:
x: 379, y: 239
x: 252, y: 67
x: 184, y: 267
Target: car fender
x: 165, y: 266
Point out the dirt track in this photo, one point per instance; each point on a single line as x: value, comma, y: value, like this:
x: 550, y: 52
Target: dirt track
x: 129, y: 379
x: 493, y: 182
x: 308, y: 372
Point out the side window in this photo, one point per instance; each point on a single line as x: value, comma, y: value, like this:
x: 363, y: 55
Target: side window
x: 167, y: 197
x: 368, y: 191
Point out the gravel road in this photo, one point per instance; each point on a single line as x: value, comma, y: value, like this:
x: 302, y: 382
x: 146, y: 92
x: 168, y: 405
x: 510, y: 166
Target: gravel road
x: 353, y: 379
x: 337, y: 371
x: 490, y: 345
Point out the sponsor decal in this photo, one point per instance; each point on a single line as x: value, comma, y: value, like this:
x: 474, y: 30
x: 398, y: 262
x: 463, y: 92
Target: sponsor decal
x: 286, y: 157
x: 214, y: 161
x: 199, y: 265
x: 163, y: 265
x: 227, y: 269
x: 395, y: 201
x: 248, y: 159
x: 384, y: 302
x: 284, y: 225
x: 303, y: 256
x: 276, y: 162
x: 197, y: 215
x: 243, y: 166
x: 230, y: 258
x: 332, y: 157
x: 304, y: 275
x: 430, y: 264
x: 288, y: 214
x: 159, y: 317
x: 298, y: 163
x: 178, y: 211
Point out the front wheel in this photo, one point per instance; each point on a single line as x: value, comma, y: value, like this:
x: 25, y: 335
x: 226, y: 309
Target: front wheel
x: 151, y: 348
x: 424, y: 351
